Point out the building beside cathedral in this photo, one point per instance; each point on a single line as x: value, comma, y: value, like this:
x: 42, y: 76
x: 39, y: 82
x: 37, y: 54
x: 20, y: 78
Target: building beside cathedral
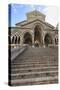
x: 34, y: 31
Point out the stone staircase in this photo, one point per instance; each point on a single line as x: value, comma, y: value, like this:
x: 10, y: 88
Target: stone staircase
x: 35, y: 66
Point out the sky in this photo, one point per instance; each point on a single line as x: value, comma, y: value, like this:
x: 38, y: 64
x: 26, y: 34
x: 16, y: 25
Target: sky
x: 17, y: 13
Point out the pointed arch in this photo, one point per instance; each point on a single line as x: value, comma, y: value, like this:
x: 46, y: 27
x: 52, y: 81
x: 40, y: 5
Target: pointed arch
x: 37, y: 36
x: 48, y: 39
x: 27, y: 38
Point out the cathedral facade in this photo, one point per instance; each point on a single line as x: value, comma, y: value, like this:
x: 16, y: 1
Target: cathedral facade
x: 34, y: 31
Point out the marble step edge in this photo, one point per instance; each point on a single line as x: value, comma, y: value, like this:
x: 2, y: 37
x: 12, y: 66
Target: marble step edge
x: 41, y: 64
x: 35, y: 57
x: 34, y: 68
x: 17, y: 74
x: 33, y: 80
x: 33, y: 62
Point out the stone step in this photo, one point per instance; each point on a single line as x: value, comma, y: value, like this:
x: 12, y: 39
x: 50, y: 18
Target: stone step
x: 35, y: 66
x: 30, y: 62
x: 22, y: 70
x: 33, y: 81
x: 40, y: 53
x: 41, y: 62
x: 31, y: 68
x: 44, y: 82
x: 32, y: 65
x: 33, y: 74
x: 36, y: 56
x: 36, y: 60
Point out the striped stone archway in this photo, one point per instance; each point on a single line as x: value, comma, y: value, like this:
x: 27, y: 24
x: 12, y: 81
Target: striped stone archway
x: 27, y: 38
x: 38, y: 39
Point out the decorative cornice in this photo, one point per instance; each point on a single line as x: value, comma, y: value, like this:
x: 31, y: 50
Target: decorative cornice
x: 21, y: 22
x: 18, y: 28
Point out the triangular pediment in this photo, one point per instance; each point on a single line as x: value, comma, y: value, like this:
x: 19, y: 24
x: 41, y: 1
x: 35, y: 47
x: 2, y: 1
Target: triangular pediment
x: 32, y: 17
x: 36, y: 21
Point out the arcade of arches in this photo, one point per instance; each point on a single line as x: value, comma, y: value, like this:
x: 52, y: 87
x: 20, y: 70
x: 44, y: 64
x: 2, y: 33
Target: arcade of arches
x: 36, y: 39
x: 15, y: 40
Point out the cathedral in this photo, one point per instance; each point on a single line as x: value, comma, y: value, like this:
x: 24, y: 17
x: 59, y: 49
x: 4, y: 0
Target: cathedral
x: 34, y: 31
x: 33, y: 58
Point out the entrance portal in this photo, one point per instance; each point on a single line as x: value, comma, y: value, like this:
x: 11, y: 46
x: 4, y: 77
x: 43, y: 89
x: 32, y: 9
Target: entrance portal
x: 37, y: 36
x: 48, y: 39
x: 28, y: 39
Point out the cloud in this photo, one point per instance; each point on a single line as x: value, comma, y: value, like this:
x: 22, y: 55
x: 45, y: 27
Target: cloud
x: 52, y: 14
x: 39, y: 9
x: 32, y: 7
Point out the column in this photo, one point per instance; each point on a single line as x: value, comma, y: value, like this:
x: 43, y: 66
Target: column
x: 53, y: 39
x: 21, y: 40
x: 33, y: 39
x: 43, y: 41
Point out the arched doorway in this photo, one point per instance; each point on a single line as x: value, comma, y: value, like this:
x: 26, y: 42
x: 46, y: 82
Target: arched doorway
x: 37, y: 36
x: 48, y: 39
x: 28, y: 38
